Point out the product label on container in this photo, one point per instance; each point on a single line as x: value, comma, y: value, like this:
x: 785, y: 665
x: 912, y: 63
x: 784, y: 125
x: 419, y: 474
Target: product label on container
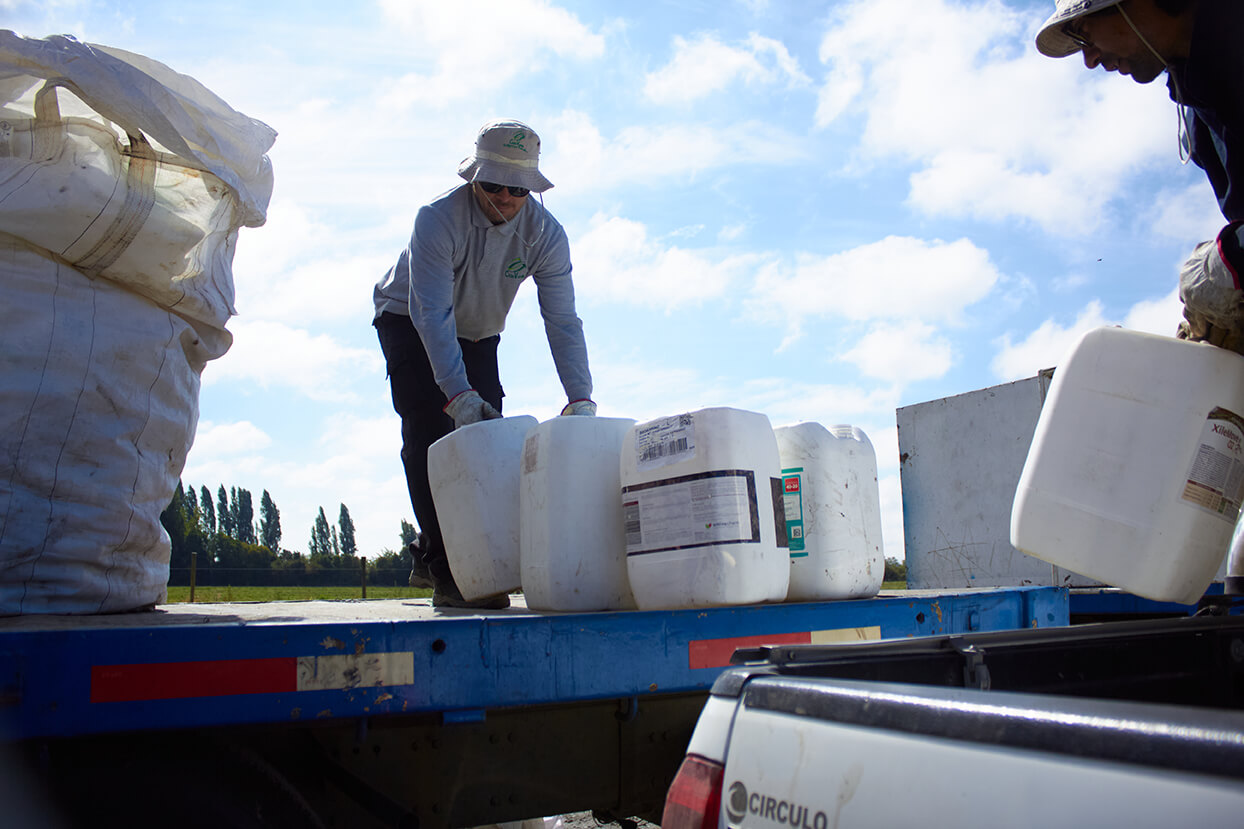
x: 792, y: 495
x: 701, y: 510
x: 665, y: 441
x: 1217, y: 475
x: 531, y: 453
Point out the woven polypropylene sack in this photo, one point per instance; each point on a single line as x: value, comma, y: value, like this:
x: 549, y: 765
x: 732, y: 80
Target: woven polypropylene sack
x: 122, y: 189
x: 97, y: 414
x: 119, y: 209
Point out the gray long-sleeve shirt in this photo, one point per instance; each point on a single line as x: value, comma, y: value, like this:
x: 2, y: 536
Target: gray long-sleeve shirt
x: 460, y: 273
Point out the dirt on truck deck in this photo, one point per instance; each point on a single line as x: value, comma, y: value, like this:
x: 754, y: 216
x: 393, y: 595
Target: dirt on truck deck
x: 182, y: 613
x: 312, y: 611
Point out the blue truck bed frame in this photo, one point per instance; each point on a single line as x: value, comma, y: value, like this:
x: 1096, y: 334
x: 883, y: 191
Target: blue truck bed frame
x: 381, y: 678
x: 208, y: 665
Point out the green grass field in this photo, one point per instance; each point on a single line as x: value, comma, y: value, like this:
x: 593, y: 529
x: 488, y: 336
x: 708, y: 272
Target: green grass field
x: 291, y: 594
x: 302, y: 594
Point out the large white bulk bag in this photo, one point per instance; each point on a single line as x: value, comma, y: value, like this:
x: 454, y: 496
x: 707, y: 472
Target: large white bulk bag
x: 122, y: 189
x: 97, y: 411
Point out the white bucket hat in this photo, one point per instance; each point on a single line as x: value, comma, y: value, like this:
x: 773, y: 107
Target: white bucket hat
x: 506, y: 152
x: 1051, y: 41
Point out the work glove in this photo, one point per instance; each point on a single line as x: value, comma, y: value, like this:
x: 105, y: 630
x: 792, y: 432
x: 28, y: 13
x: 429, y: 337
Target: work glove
x: 580, y: 407
x: 1210, y: 290
x: 468, y: 407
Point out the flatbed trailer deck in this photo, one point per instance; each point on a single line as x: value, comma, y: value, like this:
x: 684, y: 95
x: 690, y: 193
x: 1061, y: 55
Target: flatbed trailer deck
x: 387, y: 711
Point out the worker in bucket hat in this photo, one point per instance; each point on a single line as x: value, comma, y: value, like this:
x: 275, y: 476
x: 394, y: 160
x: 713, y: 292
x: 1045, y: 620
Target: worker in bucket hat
x: 1198, y: 44
x: 441, y: 308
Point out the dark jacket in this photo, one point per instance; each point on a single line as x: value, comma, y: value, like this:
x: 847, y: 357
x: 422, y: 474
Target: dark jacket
x: 1210, y: 86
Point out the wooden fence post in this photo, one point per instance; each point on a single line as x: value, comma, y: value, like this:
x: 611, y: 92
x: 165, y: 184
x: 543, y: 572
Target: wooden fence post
x: 194, y: 562
x: 363, y: 569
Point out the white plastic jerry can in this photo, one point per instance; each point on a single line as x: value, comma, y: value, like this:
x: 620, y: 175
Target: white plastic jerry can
x: 572, y: 548
x: 833, y: 512
x: 474, y: 474
x: 702, y: 505
x: 1136, y: 469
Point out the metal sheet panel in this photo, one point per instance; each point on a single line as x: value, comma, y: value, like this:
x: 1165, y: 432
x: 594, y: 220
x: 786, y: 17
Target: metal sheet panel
x: 960, y: 462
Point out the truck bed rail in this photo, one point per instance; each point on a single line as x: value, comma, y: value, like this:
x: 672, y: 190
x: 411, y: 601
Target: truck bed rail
x: 207, y: 665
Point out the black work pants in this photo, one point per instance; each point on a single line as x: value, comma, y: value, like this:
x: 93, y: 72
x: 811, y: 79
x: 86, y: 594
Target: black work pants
x: 421, y: 405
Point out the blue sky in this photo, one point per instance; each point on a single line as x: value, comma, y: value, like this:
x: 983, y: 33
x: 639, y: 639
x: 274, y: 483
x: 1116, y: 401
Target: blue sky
x: 818, y: 211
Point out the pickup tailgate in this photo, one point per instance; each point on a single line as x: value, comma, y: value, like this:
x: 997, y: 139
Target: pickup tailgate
x: 826, y: 737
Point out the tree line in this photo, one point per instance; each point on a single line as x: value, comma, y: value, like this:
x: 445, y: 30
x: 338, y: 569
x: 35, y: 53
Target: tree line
x: 233, y: 547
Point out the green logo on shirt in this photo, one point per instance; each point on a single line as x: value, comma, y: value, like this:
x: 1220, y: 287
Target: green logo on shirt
x: 516, y: 269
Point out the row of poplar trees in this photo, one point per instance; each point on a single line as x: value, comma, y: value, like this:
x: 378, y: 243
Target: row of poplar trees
x: 230, y: 546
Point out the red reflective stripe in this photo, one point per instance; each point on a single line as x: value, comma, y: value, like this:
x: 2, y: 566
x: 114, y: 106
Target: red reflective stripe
x: 716, y: 653
x: 181, y: 680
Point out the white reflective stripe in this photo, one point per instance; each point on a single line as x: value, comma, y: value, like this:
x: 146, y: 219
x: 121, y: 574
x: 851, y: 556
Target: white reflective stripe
x: 505, y: 159
x: 364, y: 670
x: 830, y: 637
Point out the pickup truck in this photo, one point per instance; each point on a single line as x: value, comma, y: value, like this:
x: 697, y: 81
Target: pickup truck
x: 1136, y: 723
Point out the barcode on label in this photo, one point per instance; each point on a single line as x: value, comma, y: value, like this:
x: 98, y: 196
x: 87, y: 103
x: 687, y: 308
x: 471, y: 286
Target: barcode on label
x: 664, y: 450
x: 664, y: 441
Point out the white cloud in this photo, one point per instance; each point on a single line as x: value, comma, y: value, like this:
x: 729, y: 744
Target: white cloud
x: 994, y: 131
x: 986, y: 185
x: 1190, y: 215
x: 582, y: 160
x: 1050, y: 342
x: 575, y: 153
x: 1069, y: 282
x: 631, y: 384
x: 213, y: 440
x: 704, y: 65
x: 667, y: 150
x: 641, y: 390
x: 901, y: 353
x: 843, y: 84
x: 616, y: 261
x: 686, y: 232
x: 362, y: 459
x: 372, y: 486
x: 479, y: 46
x: 297, y: 269
x: 897, y: 278
x: 263, y: 252
x: 271, y: 354
x: 1156, y: 316
x: 364, y: 439
x: 335, y: 177
x: 788, y: 402
x: 36, y: 18
x: 323, y: 289
x: 1044, y: 347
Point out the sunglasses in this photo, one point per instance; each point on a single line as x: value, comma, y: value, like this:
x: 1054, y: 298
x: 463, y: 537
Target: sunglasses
x: 489, y: 187
x: 1078, y: 37
x: 1075, y: 37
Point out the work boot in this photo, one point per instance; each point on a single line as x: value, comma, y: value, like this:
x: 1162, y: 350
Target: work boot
x: 447, y: 594
x: 420, y: 575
